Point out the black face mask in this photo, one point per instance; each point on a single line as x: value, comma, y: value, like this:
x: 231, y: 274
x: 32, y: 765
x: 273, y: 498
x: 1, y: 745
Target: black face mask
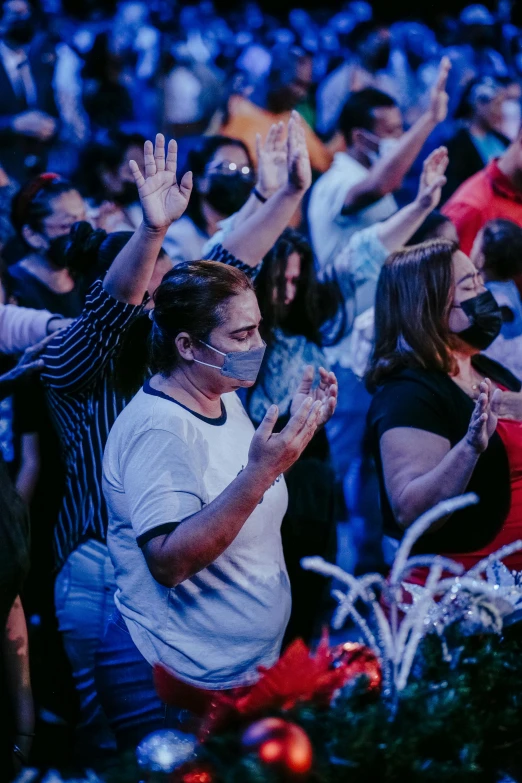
x: 56, y: 251
x: 486, y: 321
x: 20, y: 32
x: 228, y: 192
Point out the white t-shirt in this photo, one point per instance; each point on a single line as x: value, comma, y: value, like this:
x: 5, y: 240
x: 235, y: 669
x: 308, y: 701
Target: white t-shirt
x: 329, y: 228
x: 163, y: 464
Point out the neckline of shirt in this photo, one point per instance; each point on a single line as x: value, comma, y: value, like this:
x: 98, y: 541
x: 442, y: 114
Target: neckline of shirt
x: 215, y: 422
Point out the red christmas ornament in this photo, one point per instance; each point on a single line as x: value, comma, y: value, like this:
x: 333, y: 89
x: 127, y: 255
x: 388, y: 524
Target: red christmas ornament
x: 280, y: 744
x: 198, y: 776
x: 357, y: 660
x: 193, y: 772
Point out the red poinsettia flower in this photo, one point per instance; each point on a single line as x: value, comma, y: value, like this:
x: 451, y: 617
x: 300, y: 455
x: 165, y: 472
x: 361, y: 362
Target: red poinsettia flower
x: 297, y: 677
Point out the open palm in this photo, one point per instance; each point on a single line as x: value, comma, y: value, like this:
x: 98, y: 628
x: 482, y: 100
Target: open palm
x: 163, y: 201
x: 432, y: 178
x: 272, y: 160
x: 439, y: 97
x: 299, y: 168
x: 325, y: 393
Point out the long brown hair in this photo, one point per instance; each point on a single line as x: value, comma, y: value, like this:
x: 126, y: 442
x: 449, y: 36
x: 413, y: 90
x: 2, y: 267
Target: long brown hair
x: 318, y: 310
x: 412, y: 307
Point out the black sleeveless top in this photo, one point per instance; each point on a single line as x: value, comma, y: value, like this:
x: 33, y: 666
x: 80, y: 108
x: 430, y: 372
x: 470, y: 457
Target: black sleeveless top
x: 430, y: 400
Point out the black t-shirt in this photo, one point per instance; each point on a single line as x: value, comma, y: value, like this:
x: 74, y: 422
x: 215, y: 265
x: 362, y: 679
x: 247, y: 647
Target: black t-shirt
x: 431, y: 401
x: 29, y: 291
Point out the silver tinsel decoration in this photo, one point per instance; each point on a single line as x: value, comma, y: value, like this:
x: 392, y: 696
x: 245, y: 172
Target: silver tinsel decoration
x: 483, y: 599
x: 165, y: 751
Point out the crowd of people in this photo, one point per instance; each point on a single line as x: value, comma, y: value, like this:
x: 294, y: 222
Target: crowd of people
x: 256, y: 343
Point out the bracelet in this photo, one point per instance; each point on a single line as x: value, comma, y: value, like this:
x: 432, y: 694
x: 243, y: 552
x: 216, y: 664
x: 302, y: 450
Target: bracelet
x: 259, y: 196
x: 49, y: 322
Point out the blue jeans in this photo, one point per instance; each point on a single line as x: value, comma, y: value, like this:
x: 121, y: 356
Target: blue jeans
x: 126, y: 688
x: 84, y: 600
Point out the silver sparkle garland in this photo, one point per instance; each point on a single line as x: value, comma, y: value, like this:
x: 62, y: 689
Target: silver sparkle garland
x: 480, y: 599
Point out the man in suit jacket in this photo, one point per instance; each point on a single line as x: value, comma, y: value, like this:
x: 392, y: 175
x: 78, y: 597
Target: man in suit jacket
x: 28, y: 114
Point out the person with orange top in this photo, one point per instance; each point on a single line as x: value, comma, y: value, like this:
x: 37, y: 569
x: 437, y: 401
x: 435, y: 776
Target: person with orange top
x: 288, y: 85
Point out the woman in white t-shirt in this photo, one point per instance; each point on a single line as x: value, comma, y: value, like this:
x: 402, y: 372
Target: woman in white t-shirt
x: 196, y: 498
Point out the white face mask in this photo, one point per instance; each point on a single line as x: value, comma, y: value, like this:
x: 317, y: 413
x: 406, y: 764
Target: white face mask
x: 511, y: 117
x: 386, y: 146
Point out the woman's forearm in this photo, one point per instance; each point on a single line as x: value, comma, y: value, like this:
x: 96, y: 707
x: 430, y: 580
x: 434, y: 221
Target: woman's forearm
x: 447, y: 480
x: 202, y: 538
x: 399, y: 228
x: 251, y: 239
x: 251, y: 205
x: 16, y: 649
x: 129, y: 275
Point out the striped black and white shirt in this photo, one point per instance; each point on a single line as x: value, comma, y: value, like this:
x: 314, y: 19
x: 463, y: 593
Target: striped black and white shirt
x: 79, y: 379
x: 84, y: 404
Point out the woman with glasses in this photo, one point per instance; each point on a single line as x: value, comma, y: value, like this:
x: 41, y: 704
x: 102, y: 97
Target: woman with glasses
x: 225, y: 184
x: 43, y: 211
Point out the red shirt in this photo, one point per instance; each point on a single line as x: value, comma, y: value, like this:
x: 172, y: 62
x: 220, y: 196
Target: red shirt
x: 511, y: 434
x: 487, y: 195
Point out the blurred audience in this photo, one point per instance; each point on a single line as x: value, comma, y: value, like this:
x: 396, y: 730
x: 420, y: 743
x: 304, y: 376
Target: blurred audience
x: 262, y: 106
x: 43, y: 212
x: 497, y: 254
x: 288, y: 84
x: 28, y: 113
x: 493, y: 192
x: 358, y: 188
x: 479, y: 139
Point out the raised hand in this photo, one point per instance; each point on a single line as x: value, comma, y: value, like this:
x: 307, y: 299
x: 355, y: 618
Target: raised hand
x: 483, y: 421
x: 325, y: 393
x: 271, y: 160
x: 298, y: 161
x: 439, y: 97
x: 432, y: 179
x: 163, y: 201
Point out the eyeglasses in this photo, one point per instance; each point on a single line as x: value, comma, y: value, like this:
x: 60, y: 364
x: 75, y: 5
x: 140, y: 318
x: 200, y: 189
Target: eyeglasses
x: 228, y: 167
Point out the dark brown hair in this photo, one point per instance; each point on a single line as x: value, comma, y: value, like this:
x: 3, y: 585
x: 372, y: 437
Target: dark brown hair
x: 502, y: 249
x: 192, y: 298
x: 318, y: 310
x: 412, y: 307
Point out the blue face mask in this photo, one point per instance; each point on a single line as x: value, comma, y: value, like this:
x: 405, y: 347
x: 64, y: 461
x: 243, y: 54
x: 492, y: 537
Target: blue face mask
x: 240, y: 365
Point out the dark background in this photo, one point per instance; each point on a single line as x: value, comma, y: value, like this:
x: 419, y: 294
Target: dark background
x: 425, y: 10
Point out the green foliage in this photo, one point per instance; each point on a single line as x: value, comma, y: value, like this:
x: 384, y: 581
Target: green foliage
x: 459, y: 721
